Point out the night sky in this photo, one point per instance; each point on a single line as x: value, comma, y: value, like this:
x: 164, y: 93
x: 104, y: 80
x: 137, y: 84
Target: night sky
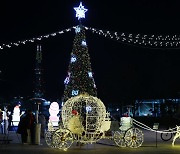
x: 122, y: 72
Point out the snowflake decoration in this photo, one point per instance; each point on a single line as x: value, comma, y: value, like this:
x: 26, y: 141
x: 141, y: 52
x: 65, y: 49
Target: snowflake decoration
x: 80, y: 11
x: 66, y: 81
x: 88, y: 108
x: 90, y: 74
x: 73, y: 59
x: 94, y: 85
x: 75, y: 92
x: 78, y: 29
x: 83, y: 43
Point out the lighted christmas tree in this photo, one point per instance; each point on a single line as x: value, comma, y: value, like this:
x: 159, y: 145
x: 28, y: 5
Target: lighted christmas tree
x: 80, y: 76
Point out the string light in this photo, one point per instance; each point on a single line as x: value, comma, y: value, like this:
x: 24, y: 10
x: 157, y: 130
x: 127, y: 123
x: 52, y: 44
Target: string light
x: 39, y: 38
x: 155, y: 41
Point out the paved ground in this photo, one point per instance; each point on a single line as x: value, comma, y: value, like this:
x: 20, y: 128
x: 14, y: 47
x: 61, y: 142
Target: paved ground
x: 105, y: 146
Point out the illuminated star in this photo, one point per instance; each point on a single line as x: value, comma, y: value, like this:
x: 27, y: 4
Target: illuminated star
x: 80, y: 11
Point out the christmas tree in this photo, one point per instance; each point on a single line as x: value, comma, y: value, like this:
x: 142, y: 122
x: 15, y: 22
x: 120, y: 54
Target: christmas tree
x: 80, y: 76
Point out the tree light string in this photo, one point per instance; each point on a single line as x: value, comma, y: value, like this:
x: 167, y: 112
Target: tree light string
x: 9, y: 45
x: 142, y: 40
x: 149, y: 41
x: 143, y: 126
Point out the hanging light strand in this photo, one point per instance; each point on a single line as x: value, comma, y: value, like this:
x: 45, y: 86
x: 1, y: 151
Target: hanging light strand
x: 149, y: 41
x: 39, y: 38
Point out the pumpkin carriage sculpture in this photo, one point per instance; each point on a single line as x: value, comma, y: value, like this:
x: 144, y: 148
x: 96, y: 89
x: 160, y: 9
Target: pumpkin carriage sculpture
x: 85, y: 120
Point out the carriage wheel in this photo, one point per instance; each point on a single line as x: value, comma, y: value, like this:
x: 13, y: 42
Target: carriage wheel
x: 48, y: 138
x: 166, y: 136
x: 119, y: 138
x: 134, y: 137
x: 62, y: 139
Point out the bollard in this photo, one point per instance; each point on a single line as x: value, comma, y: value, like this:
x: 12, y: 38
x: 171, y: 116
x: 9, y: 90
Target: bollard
x: 155, y: 127
x: 37, y: 134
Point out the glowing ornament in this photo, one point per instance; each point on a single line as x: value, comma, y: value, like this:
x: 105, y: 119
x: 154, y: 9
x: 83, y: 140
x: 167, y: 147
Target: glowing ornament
x: 75, y: 92
x: 73, y: 59
x: 16, y: 116
x: 88, y: 108
x: 54, y: 110
x: 78, y: 29
x: 90, y: 74
x: 94, y: 85
x: 80, y: 11
x: 62, y: 104
x: 83, y: 43
x: 66, y: 81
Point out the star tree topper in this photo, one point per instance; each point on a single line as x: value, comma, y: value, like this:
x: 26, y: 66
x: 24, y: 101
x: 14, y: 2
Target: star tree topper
x: 80, y: 11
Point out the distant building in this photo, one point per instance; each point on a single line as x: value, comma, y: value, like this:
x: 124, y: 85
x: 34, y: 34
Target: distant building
x: 38, y: 92
x: 38, y: 89
x: 157, y: 107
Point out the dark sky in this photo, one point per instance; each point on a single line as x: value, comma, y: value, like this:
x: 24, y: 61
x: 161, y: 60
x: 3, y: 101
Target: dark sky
x: 122, y: 72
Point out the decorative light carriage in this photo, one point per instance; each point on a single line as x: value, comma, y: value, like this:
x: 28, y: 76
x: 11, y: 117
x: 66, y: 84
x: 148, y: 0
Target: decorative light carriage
x: 85, y: 120
x: 128, y: 135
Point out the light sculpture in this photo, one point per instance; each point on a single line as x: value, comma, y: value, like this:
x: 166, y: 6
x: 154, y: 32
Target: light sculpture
x: 90, y: 109
x: 54, y: 110
x: 16, y: 116
x: 177, y: 135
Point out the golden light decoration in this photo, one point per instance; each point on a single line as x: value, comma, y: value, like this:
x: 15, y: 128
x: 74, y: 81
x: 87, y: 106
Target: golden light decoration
x: 177, y: 135
x: 90, y: 112
x: 86, y: 121
x: 128, y: 135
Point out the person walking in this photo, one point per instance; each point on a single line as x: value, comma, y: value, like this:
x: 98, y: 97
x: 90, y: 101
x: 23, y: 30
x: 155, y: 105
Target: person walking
x: 22, y: 128
x: 31, y: 126
x: 26, y: 127
x: 1, y: 120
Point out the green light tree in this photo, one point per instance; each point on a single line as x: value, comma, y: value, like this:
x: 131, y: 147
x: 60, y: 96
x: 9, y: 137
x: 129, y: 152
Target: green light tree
x: 80, y: 77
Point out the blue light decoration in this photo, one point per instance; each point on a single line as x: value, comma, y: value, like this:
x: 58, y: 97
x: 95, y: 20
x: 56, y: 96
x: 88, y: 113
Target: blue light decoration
x: 62, y: 103
x: 77, y: 29
x: 88, y: 108
x: 73, y: 58
x: 66, y: 81
x: 80, y: 11
x: 94, y: 85
x: 83, y: 43
x: 75, y: 92
x: 90, y: 74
